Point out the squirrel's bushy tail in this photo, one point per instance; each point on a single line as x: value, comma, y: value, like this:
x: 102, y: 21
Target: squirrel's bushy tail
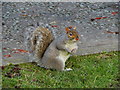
x: 40, y: 40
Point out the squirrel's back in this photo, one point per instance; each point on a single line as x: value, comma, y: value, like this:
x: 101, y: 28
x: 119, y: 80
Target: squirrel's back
x: 40, y: 40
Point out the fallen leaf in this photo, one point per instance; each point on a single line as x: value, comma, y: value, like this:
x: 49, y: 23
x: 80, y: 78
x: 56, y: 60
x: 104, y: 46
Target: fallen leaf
x: 114, y: 13
x: 54, y: 26
x: 21, y: 50
x: 9, y: 75
x: 100, y: 17
x: 5, y: 48
x: 14, y: 72
x: 16, y: 52
x: 7, y: 55
x: 112, y: 32
x: 2, y: 67
x: 24, y: 15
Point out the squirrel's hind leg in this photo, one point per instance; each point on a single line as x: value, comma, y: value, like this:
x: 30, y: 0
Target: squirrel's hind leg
x: 61, y: 66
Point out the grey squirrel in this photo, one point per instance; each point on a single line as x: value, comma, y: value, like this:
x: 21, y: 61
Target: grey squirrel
x: 52, y: 53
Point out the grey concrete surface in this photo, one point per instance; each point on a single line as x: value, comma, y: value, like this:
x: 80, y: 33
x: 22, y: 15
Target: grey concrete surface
x: 97, y: 35
x: 92, y: 1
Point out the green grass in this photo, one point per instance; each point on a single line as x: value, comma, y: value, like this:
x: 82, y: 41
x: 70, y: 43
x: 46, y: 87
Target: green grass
x: 89, y: 71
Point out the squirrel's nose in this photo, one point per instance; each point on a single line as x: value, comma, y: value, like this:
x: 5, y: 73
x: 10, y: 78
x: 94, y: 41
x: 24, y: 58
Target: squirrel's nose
x: 77, y: 38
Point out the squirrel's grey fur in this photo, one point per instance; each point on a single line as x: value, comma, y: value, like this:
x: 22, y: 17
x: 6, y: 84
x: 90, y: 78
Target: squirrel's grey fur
x: 52, y: 53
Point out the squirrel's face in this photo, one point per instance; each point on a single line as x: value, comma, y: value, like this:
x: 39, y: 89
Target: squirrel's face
x: 72, y: 33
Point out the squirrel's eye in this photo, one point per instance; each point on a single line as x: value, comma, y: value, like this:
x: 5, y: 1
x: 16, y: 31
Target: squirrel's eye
x: 70, y: 34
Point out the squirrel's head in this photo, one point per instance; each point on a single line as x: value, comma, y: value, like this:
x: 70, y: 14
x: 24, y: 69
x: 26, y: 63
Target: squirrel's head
x: 72, y: 33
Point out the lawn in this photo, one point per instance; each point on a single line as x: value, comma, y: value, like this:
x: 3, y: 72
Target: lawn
x: 89, y: 71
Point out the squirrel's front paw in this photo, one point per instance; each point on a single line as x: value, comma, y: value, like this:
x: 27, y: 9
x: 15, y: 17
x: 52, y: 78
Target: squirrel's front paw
x: 73, y: 50
x: 68, y: 69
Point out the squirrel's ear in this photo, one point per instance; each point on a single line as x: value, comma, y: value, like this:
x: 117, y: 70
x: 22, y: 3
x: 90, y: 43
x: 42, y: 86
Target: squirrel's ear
x: 68, y: 28
x: 74, y: 28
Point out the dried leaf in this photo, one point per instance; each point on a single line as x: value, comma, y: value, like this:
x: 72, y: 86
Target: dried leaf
x: 7, y: 55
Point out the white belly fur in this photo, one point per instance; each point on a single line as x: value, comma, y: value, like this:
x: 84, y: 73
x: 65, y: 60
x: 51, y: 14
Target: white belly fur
x: 63, y: 55
x: 72, y: 46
